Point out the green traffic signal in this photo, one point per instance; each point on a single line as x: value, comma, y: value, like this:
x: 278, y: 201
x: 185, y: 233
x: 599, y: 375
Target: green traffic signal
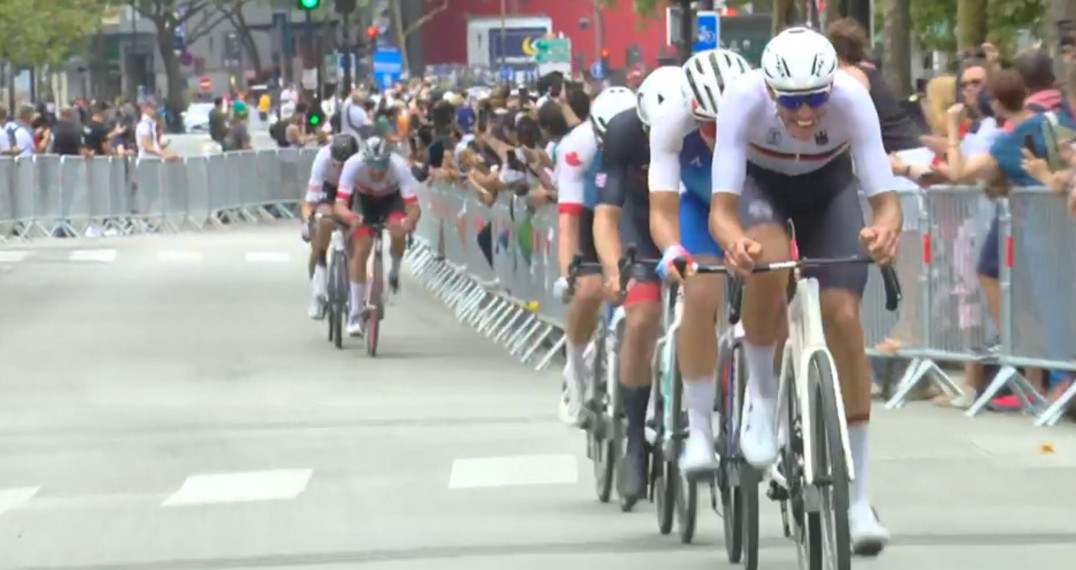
x: 314, y: 120
x: 309, y: 4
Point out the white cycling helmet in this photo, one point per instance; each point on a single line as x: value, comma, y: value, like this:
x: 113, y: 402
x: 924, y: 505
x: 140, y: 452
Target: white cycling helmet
x: 799, y: 59
x: 609, y: 103
x: 705, y: 76
x: 663, y: 84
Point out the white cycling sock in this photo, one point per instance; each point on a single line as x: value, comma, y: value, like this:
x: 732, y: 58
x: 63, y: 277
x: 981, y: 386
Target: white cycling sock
x: 858, y: 444
x: 577, y: 362
x: 318, y: 280
x: 358, y: 298
x: 761, y: 381
x: 699, y: 395
x: 394, y: 266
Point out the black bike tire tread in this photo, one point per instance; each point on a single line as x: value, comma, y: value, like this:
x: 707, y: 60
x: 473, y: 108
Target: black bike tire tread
x: 838, y: 466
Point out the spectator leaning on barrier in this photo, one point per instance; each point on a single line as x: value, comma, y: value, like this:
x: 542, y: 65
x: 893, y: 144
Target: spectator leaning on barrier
x: 67, y: 135
x: 147, y: 135
x: 218, y: 121
x: 20, y: 133
x: 238, y: 137
x: 97, y: 132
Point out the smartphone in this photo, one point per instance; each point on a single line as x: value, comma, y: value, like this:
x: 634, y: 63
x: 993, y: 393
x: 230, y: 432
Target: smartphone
x: 1029, y: 143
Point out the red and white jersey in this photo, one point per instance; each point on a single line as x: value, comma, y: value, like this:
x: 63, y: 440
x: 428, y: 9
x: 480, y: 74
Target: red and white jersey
x: 355, y: 179
x: 325, y: 171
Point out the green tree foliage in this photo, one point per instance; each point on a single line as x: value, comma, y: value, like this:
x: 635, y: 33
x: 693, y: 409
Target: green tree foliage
x: 934, y: 22
x: 44, y: 32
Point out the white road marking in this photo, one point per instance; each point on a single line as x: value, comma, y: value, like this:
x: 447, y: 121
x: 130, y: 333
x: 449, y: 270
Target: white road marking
x: 13, y: 498
x: 95, y: 255
x: 179, y: 256
x: 268, y: 257
x: 12, y: 256
x: 515, y: 470
x: 282, y: 484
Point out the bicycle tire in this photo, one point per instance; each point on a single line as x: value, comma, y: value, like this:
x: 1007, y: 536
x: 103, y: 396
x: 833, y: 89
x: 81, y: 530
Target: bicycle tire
x: 604, y: 460
x: 373, y: 319
x: 828, y: 458
x: 339, y: 303
x: 664, y: 486
x: 684, y: 492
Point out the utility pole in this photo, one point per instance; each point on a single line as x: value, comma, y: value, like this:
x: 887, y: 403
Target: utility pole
x: 345, y: 8
x: 687, y: 30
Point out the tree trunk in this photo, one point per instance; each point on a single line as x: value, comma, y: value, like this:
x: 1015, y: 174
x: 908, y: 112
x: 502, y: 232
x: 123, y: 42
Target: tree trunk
x: 784, y: 13
x: 175, y: 97
x: 245, y: 36
x: 970, y: 23
x: 897, y: 60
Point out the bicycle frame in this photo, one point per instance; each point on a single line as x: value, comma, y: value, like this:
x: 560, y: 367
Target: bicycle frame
x: 805, y: 339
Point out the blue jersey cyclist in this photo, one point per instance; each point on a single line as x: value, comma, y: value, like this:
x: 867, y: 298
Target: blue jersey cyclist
x: 682, y: 139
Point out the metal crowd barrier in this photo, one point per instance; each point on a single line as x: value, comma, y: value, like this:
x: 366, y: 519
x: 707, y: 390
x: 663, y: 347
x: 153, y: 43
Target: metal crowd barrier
x: 50, y: 195
x: 944, y: 318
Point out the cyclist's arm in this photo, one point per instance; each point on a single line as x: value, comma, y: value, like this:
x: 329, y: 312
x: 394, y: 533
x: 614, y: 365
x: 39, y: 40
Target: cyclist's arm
x: 572, y: 165
x: 738, y: 106
x: 666, y: 141
x: 315, y: 188
x: 348, y: 179
x: 611, y: 196
x: 871, y: 161
x: 408, y: 187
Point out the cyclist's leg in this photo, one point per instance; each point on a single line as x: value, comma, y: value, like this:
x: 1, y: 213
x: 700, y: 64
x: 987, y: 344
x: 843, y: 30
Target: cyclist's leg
x: 833, y: 231
x: 763, y: 311
x: 361, y: 242
x: 642, y: 326
x: 320, y: 236
x: 697, y: 339
x: 398, y: 239
x: 582, y: 317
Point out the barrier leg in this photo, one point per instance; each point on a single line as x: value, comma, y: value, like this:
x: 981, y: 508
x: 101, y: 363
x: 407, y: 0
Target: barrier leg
x: 523, y: 340
x: 521, y: 335
x: 919, y: 369
x: 509, y: 327
x: 1053, y: 414
x: 553, y: 350
x: 1000, y: 381
x: 468, y: 305
x: 538, y: 343
x: 494, y: 322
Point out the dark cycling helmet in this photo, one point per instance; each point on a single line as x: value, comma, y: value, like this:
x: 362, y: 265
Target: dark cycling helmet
x: 375, y: 150
x: 342, y: 147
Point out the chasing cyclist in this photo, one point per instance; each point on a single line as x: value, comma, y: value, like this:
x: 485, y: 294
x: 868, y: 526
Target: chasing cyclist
x: 384, y: 192
x: 682, y: 139
x: 576, y: 169
x: 623, y: 192
x: 316, y: 213
x: 795, y: 136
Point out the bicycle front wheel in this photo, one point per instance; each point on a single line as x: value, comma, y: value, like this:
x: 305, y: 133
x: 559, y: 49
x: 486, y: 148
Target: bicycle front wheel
x: 828, y: 540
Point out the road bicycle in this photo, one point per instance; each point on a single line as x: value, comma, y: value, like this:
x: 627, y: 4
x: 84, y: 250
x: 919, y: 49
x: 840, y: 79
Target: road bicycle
x: 604, y: 417
x: 337, y: 290
x: 374, y: 312
x: 814, y: 469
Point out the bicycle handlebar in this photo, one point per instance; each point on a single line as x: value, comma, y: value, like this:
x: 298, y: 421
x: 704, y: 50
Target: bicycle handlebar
x: 627, y: 261
x: 890, y: 281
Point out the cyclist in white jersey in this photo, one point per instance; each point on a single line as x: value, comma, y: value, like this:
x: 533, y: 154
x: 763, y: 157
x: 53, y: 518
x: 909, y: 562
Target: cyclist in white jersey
x: 681, y: 150
x: 320, y: 196
x: 791, y: 135
x: 376, y: 187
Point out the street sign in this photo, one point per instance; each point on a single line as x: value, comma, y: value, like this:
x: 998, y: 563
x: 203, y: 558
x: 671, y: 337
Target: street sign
x: 205, y: 83
x: 709, y: 31
x: 388, y: 65
x: 552, y: 50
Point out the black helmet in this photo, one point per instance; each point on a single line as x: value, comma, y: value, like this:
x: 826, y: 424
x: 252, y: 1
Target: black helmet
x: 342, y: 147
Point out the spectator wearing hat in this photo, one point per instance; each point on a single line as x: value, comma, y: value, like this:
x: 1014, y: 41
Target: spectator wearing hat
x: 238, y: 137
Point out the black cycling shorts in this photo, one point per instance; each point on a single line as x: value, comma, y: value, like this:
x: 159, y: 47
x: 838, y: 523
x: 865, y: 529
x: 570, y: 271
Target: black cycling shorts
x: 825, y: 211
x: 586, y: 243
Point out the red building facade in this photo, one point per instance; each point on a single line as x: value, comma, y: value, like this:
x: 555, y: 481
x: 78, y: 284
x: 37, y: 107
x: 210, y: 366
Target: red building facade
x: 444, y: 37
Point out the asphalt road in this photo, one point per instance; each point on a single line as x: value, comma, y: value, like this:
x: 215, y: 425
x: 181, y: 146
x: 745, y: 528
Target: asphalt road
x: 167, y: 405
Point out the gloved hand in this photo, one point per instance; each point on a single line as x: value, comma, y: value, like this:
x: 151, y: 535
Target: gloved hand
x: 560, y: 289
x: 305, y: 232
x: 665, y: 268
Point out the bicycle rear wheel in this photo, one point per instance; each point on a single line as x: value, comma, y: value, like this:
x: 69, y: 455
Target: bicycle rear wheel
x: 373, y: 320
x: 604, y: 454
x: 827, y: 530
x: 338, y: 302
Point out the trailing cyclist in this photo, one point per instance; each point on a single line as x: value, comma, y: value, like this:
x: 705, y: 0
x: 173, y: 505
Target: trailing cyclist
x: 795, y: 136
x: 576, y: 169
x: 622, y: 216
x: 316, y: 213
x: 682, y: 138
x: 376, y: 187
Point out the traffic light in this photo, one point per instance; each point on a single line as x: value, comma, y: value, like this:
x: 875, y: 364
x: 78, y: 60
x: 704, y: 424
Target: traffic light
x: 315, y: 117
x: 605, y: 59
x: 345, y: 6
x: 371, y: 32
x: 309, y: 4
